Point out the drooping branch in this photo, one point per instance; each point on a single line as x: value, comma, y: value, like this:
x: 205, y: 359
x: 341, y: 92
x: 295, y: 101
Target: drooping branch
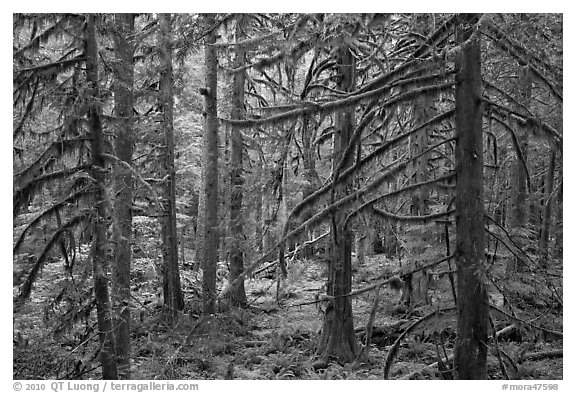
x: 33, y: 274
x: 367, y: 160
x: 517, y: 149
x: 412, y: 219
x: 48, y: 157
x: 27, y: 111
x: 356, y: 195
x: 26, y: 192
x: 536, y: 124
x: 59, y: 27
x: 394, y: 350
x: 400, y: 191
x: 330, y: 107
x: 54, y: 67
x: 508, y: 45
x: 47, y: 213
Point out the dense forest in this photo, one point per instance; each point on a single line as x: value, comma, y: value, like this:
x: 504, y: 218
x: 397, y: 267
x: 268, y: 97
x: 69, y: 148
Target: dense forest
x: 287, y: 196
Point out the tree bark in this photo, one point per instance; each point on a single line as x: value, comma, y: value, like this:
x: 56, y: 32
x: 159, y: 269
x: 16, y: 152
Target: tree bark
x: 236, y: 229
x: 471, y: 343
x: 173, y: 298
x: 210, y: 161
x: 99, y: 265
x: 337, y: 338
x: 123, y: 186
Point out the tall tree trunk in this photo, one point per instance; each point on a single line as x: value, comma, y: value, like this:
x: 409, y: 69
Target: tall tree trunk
x: 124, y: 146
x: 472, y: 340
x: 548, y: 202
x: 337, y: 338
x: 199, y: 241
x: 99, y: 265
x: 173, y: 299
x: 237, y: 294
x: 210, y: 162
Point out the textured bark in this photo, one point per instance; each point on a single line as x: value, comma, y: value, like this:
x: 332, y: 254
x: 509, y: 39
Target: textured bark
x: 210, y: 162
x: 236, y: 229
x: 173, y: 299
x: 471, y: 343
x: 548, y: 202
x: 199, y: 241
x: 123, y: 186
x: 337, y: 338
x: 99, y: 265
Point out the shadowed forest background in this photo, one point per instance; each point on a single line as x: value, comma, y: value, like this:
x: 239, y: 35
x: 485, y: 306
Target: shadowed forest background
x: 287, y: 196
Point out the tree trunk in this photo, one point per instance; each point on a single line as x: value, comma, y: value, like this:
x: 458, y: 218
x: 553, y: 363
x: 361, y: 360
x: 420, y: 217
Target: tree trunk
x: 123, y: 186
x: 237, y: 294
x: 337, y: 338
x: 471, y: 343
x: 173, y: 299
x: 99, y: 265
x: 199, y: 241
x: 210, y: 162
x: 548, y: 202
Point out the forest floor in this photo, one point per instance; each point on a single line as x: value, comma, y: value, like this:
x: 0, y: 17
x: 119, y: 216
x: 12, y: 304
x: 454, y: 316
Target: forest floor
x: 271, y: 340
x: 268, y: 340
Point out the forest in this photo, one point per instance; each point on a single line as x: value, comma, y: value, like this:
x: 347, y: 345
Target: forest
x: 287, y: 196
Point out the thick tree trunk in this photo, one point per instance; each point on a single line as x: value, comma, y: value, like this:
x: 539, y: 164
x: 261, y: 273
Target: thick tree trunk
x: 548, y: 202
x: 236, y: 229
x: 471, y: 343
x: 210, y: 162
x: 337, y: 338
x: 99, y: 265
x: 173, y: 299
x: 123, y: 185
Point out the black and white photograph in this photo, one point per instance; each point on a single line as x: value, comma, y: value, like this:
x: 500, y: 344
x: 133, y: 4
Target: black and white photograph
x: 287, y: 196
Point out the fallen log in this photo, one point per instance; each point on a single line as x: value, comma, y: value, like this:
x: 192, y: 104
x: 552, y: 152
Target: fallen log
x: 555, y: 353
